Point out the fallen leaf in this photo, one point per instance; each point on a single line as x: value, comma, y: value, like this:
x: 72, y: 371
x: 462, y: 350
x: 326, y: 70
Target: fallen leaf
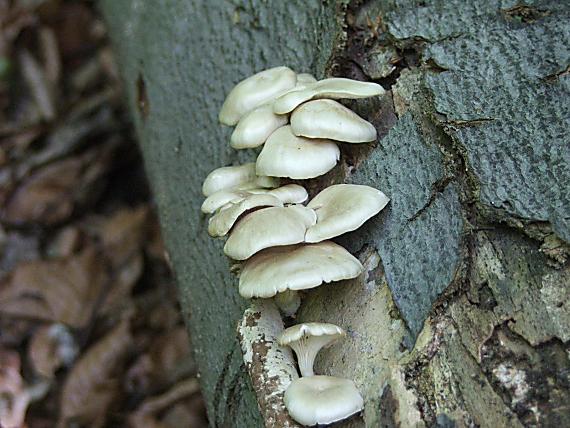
x: 90, y: 388
x: 145, y: 415
x: 63, y: 291
x: 51, y: 347
x: 50, y: 195
x: 14, y: 398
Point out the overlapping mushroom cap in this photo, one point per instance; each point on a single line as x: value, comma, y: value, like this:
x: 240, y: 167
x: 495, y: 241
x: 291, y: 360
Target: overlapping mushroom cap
x: 342, y: 208
x: 300, y: 267
x: 336, y: 88
x: 255, y: 91
x: 256, y: 126
x: 322, y: 400
x: 289, y: 194
x: 269, y: 227
x: 221, y: 223
x: 236, y: 177
x: 330, y: 119
x: 286, y: 155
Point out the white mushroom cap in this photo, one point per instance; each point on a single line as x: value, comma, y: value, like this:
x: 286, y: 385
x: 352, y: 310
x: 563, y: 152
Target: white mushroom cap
x: 269, y: 227
x: 235, y: 177
x: 276, y: 270
x: 256, y: 126
x: 286, y: 155
x: 221, y: 223
x: 330, y: 119
x: 307, y: 339
x: 322, y: 400
x: 342, y: 208
x: 335, y: 88
x: 290, y: 194
x: 254, y: 91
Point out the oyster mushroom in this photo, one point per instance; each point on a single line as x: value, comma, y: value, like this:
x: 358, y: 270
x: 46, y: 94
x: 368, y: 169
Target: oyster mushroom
x: 286, y: 155
x: 269, y: 227
x: 322, y: 399
x: 255, y: 91
x: 235, y: 177
x: 330, y: 119
x: 342, y: 208
x: 335, y: 88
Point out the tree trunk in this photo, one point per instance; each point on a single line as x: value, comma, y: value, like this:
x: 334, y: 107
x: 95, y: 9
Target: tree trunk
x: 462, y: 316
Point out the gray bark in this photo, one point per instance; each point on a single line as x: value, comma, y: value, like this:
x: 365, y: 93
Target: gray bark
x: 462, y: 315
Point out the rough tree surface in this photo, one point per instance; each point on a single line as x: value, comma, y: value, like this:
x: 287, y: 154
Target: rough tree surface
x: 462, y: 317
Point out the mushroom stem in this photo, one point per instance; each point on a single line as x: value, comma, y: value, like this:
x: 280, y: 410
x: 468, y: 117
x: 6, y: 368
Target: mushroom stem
x: 288, y: 302
x: 306, y: 350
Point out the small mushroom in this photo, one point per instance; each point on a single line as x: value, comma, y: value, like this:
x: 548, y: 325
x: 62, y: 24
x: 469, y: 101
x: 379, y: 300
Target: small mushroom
x: 256, y: 126
x: 221, y: 223
x: 286, y: 155
x: 342, y: 208
x: 235, y: 177
x: 269, y: 227
x: 330, y: 119
x: 322, y: 400
x: 255, y: 91
x: 307, y: 339
x: 290, y: 193
x: 335, y: 88
x: 304, y: 79
x: 299, y: 267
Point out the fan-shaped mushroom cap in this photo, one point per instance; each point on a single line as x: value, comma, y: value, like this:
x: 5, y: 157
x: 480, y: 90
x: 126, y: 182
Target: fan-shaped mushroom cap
x: 336, y: 88
x: 322, y: 399
x: 330, y: 119
x: 256, y: 126
x: 221, y: 223
x: 289, y: 194
x: 307, y: 339
x: 254, y: 91
x: 286, y: 155
x: 342, y: 208
x: 235, y: 177
x: 269, y: 227
x: 299, y: 267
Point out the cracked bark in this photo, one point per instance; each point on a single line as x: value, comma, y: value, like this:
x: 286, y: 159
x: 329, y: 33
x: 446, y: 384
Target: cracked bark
x: 462, y: 315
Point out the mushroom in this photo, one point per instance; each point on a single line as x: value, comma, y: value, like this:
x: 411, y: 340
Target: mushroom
x: 269, y: 227
x: 289, y: 194
x: 304, y: 79
x: 307, y: 339
x: 298, y: 267
x: 256, y: 126
x: 322, y: 400
x: 235, y: 177
x: 255, y: 91
x: 342, y: 208
x: 286, y: 155
x: 330, y: 119
x: 221, y: 223
x: 336, y: 88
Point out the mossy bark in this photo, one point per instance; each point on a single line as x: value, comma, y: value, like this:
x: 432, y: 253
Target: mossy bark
x: 462, y: 315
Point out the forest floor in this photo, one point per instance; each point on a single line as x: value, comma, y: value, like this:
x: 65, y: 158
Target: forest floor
x: 90, y: 329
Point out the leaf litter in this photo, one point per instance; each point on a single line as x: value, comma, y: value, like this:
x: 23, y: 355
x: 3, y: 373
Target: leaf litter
x: 90, y: 330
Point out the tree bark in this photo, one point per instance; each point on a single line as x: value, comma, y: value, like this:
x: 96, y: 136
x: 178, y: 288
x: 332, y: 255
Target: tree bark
x: 461, y: 317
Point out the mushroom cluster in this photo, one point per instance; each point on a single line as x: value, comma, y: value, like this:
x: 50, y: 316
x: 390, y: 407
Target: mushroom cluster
x: 283, y: 242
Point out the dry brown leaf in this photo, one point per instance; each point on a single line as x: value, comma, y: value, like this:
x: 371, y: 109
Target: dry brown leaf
x: 50, y: 194
x: 90, y: 387
x: 168, y: 352
x: 14, y: 398
x: 57, y: 290
x: 124, y: 233
x: 124, y: 279
x: 145, y: 415
x: 51, y: 347
x: 65, y: 243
